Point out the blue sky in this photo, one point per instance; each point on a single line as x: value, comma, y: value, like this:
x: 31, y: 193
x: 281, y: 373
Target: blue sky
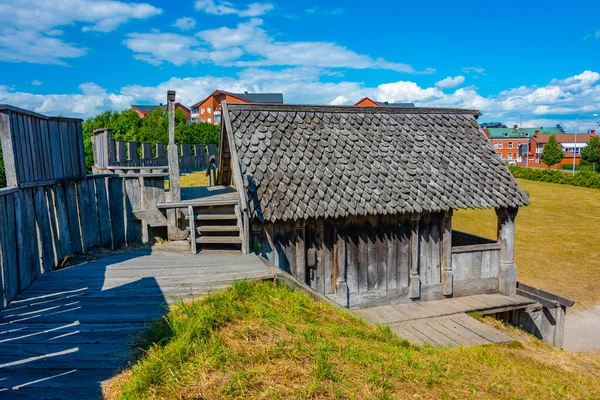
x: 536, y: 61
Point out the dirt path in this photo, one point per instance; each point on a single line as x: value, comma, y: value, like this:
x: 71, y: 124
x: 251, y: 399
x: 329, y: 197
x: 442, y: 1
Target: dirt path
x: 582, y: 330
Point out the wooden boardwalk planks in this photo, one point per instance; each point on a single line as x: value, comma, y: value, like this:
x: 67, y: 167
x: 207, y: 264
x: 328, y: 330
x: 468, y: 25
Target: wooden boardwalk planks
x: 443, y: 322
x: 74, y: 328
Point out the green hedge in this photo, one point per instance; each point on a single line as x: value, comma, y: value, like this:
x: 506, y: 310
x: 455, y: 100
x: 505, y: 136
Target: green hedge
x: 584, y: 178
x: 569, y: 167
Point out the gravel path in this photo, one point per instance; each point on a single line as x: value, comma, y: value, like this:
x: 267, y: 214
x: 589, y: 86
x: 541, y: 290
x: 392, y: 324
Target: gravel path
x: 582, y: 330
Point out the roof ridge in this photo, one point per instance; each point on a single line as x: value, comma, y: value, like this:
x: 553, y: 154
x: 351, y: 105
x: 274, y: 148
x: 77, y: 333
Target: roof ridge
x: 352, y: 109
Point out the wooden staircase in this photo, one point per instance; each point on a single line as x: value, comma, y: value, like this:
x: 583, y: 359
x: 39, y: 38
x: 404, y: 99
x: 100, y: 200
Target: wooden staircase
x: 214, y: 224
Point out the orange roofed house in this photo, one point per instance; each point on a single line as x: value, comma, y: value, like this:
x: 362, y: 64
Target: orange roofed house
x: 367, y: 102
x: 143, y: 110
x: 567, y: 141
x: 209, y: 109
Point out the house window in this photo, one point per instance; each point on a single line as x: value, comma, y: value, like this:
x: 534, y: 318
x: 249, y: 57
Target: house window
x: 209, y: 121
x: 495, y: 145
x: 217, y: 119
x: 510, y: 156
x: 208, y: 110
x: 500, y: 145
x: 510, y: 145
x: 202, y: 110
x: 202, y: 119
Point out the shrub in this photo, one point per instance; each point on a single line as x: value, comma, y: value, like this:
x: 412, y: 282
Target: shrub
x: 584, y: 178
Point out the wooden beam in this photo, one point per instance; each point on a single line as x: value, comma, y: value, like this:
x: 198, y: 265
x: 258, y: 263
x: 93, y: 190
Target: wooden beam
x: 415, y: 281
x: 173, y: 152
x: 446, y: 254
x: 506, y: 237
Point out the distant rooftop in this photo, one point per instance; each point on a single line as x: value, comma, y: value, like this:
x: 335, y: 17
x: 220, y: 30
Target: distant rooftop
x: 502, y: 133
x: 403, y: 105
x: 261, y: 98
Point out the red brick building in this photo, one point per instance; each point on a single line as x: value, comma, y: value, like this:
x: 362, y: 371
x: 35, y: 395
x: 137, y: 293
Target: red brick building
x: 143, y: 110
x: 209, y: 109
x: 508, y: 141
x: 569, y: 143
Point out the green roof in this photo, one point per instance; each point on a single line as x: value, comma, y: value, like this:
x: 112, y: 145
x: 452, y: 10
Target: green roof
x: 501, y: 133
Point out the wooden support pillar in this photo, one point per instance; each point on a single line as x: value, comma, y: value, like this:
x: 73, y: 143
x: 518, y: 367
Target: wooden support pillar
x: 104, y: 150
x: 300, y: 251
x: 192, y: 221
x: 446, y: 254
x: 415, y: 280
x: 506, y: 239
x: 342, y: 293
x: 173, y: 151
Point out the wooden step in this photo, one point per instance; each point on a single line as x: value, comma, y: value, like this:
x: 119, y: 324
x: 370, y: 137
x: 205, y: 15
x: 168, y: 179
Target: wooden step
x: 215, y: 217
x: 199, y: 203
x: 219, y: 240
x: 218, y: 228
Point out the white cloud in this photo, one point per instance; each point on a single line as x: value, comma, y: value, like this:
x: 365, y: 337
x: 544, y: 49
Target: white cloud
x: 450, y: 82
x: 558, y: 102
x: 36, y: 82
x: 185, y: 23
x: 226, y: 46
x: 473, y: 70
x: 316, y: 10
x: 226, y: 8
x: 28, y: 29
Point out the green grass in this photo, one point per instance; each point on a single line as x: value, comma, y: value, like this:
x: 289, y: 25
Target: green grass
x: 557, y: 237
x: 264, y: 340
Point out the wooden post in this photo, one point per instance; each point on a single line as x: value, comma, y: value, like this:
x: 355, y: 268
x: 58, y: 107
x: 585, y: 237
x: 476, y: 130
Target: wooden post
x: 341, y: 284
x: 506, y: 239
x: 104, y: 150
x: 446, y: 254
x: 132, y: 151
x: 121, y: 151
x: 174, y: 184
x: 192, y: 221
x: 146, y: 150
x: 10, y: 166
x: 415, y: 281
x: 160, y: 150
x: 300, y: 251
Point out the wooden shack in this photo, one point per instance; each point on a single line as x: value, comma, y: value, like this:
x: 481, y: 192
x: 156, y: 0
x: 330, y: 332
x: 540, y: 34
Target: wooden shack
x: 357, y: 202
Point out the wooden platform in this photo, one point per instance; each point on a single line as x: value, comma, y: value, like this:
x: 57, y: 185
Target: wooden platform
x: 73, y: 328
x: 444, y: 322
x: 203, y: 196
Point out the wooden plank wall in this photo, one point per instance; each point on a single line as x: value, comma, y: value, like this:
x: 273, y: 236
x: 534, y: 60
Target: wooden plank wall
x: 376, y: 255
x: 41, y: 225
x: 475, y: 269
x: 188, y: 162
x: 43, y: 149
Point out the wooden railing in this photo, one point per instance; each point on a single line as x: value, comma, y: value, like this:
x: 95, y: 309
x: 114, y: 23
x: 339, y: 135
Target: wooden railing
x: 475, y: 264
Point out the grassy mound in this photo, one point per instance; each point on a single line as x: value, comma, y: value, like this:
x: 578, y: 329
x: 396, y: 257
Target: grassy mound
x: 263, y: 340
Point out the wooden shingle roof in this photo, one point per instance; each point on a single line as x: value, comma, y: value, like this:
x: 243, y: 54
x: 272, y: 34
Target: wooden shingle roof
x: 301, y: 162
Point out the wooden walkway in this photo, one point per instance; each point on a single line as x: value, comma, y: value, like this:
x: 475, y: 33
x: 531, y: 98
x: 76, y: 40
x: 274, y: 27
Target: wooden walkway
x: 444, y: 322
x: 74, y: 328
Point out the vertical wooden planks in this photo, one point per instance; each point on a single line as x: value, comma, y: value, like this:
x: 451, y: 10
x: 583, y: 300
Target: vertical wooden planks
x: 121, y: 150
x: 132, y: 151
x: 414, y: 280
x: 436, y: 275
x: 27, y: 249
x: 73, y: 217
x: 160, y: 150
x: 44, y: 232
x: 373, y: 284
x: 89, y: 214
x: 8, y: 153
x: 8, y: 251
x: 300, y: 252
x: 103, y: 211
x: 62, y: 218
x: 327, y: 258
x: 353, y: 261
x: 363, y: 261
x: 392, y: 244
x: 57, y: 156
x: 381, y: 247
x: 116, y: 205
x: 146, y: 150
x: 132, y: 202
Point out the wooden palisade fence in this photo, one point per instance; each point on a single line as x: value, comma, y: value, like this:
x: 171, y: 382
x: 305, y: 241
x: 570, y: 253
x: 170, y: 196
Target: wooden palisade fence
x: 51, y: 209
x: 121, y: 156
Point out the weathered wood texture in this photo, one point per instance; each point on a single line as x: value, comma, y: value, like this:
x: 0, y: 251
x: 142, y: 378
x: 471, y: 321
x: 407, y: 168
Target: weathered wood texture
x: 40, y: 149
x: 75, y: 327
x: 41, y: 225
x: 109, y: 155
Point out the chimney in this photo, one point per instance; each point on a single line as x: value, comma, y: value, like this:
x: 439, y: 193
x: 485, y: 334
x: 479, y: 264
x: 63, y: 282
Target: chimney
x: 537, y: 133
x: 593, y: 132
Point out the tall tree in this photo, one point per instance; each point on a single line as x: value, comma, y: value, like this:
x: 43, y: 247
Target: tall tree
x: 552, y: 152
x: 591, y: 152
